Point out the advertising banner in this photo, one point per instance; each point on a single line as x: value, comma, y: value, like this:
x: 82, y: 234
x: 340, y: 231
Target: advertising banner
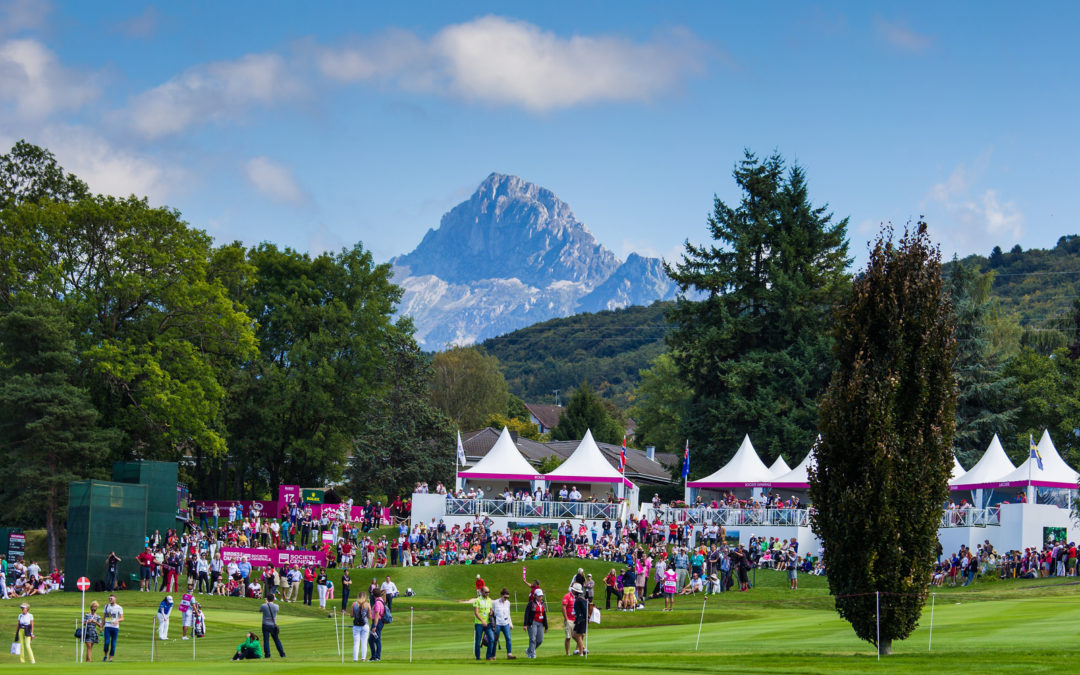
x: 287, y: 494
x: 261, y: 557
x: 312, y: 496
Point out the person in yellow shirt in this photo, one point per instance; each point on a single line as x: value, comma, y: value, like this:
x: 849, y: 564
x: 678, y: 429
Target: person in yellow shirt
x: 482, y: 627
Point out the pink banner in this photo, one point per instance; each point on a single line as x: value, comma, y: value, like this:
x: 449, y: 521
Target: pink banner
x: 356, y: 514
x: 287, y: 494
x: 261, y: 557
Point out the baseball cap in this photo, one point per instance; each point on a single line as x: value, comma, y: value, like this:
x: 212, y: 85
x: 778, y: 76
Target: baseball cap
x: 539, y: 593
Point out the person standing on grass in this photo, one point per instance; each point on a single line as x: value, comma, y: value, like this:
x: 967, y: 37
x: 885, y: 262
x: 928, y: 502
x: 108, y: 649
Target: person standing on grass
x: 568, y: 619
x: 610, y: 582
x: 146, y: 561
x: 503, y: 623
x: 320, y: 581
x: 482, y: 607
x: 346, y: 586
x: 91, y: 624
x: 671, y: 582
x: 269, y: 610
x: 112, y: 565
x: 164, y: 609
x: 114, y: 614
x: 309, y: 585
x: 24, y: 633
x: 581, y: 619
x: 390, y: 591
x: 793, y: 568
x: 361, y: 622
x: 535, y: 623
x: 378, y: 611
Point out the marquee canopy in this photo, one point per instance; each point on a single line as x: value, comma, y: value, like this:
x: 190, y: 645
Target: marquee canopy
x: 987, y: 472
x: 1055, y: 472
x: 587, y: 465
x: 744, y: 470
x: 503, y: 462
x: 779, y: 467
x: 957, y: 469
x: 799, y: 477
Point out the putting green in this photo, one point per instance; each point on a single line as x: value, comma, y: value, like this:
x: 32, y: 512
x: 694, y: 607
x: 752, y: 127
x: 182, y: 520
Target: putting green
x: 994, y: 625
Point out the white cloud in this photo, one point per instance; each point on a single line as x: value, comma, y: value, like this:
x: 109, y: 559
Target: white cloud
x: 898, y: 35
x: 17, y: 16
x: 109, y: 169
x: 213, y: 91
x: 975, y: 213
x: 274, y: 180
x: 497, y: 60
x: 32, y: 78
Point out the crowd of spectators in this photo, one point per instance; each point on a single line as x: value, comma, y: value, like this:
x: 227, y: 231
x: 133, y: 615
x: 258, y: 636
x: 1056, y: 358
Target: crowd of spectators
x: 20, y: 580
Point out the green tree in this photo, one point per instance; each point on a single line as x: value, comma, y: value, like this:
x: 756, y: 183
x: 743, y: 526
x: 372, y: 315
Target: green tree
x: 885, y: 455
x: 468, y: 386
x: 29, y: 174
x: 1047, y: 388
x: 404, y: 438
x: 984, y: 401
x: 585, y: 410
x: 549, y: 464
x: 756, y: 349
x: 147, y: 319
x: 659, y: 404
x: 523, y: 428
x: 323, y: 323
x: 49, y: 433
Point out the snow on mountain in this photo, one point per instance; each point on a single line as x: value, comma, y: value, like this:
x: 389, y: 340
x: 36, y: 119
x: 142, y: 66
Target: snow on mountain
x: 509, y: 256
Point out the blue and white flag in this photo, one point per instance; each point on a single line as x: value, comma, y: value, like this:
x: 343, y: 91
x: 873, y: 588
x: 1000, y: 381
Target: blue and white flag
x: 1035, y: 454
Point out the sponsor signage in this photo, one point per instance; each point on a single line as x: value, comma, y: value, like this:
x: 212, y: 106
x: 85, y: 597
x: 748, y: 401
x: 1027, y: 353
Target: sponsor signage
x: 312, y: 496
x: 261, y: 557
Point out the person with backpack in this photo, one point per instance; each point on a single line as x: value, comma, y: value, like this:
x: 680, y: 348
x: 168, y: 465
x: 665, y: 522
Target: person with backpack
x: 361, y: 617
x: 482, y: 630
x: 378, y: 611
x: 269, y: 610
x: 536, y: 622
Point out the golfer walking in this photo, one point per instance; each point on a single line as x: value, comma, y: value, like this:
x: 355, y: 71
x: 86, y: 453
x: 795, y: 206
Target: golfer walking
x: 581, y: 619
x: 269, y: 610
x: 114, y: 614
x: 481, y: 627
x: 24, y: 633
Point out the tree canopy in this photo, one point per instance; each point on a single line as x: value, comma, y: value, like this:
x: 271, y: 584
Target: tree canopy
x: 755, y: 350
x: 468, y: 386
x: 885, y: 454
x: 584, y: 411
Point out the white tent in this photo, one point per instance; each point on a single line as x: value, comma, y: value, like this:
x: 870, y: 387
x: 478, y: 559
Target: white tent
x: 744, y: 470
x: 503, y: 462
x: 1055, y: 472
x: 779, y: 467
x: 957, y: 469
x: 587, y: 465
x: 987, y: 472
x: 799, y: 477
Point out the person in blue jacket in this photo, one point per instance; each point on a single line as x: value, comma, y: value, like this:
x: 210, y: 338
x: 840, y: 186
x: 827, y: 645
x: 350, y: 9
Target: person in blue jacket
x: 163, y: 617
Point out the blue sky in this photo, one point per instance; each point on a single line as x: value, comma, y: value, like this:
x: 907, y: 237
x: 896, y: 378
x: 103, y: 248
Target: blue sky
x: 316, y: 125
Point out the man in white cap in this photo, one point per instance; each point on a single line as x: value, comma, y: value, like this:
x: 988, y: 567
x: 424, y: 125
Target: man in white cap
x: 163, y: 617
x: 581, y: 619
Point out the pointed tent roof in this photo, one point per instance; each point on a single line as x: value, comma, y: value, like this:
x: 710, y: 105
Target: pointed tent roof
x: 779, y: 467
x: 957, y: 469
x: 744, y: 470
x: 503, y: 461
x: 1055, y: 472
x: 587, y: 465
x: 799, y: 477
x: 987, y: 472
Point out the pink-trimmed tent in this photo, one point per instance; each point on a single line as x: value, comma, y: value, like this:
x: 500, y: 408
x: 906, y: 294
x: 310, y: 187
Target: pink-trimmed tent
x: 779, y: 467
x: 502, y: 464
x: 745, y: 470
x: 1054, y: 474
x: 587, y: 465
x: 799, y: 477
x: 988, y: 472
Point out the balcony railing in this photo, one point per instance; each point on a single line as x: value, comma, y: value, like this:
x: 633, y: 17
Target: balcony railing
x: 549, y: 510
x: 971, y: 517
x: 730, y: 517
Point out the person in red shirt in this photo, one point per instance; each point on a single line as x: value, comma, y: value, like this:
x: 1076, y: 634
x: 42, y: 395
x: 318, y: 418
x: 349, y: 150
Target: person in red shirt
x: 568, y: 619
x: 479, y: 585
x: 146, y: 562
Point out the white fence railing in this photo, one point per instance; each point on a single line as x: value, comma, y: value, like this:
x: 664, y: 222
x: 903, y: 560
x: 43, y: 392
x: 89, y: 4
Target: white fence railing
x: 730, y: 517
x: 520, y: 509
x: 971, y: 517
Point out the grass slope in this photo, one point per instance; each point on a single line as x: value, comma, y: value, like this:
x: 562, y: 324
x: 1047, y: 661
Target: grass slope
x: 1000, y: 626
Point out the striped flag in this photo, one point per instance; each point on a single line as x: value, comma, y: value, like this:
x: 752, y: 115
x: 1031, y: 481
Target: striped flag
x: 686, y: 460
x: 622, y: 456
x: 1035, y: 454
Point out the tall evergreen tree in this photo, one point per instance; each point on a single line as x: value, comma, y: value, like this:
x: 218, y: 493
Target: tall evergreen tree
x: 984, y: 404
x: 885, y: 455
x: 49, y: 433
x: 756, y: 349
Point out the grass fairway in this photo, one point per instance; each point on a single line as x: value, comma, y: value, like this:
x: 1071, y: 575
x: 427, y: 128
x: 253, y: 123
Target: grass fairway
x: 993, y: 626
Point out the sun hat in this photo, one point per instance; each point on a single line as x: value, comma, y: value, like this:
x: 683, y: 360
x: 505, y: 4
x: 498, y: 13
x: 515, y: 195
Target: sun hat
x: 576, y: 588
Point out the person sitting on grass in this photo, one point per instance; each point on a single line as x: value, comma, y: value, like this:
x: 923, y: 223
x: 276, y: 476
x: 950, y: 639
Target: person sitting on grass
x: 248, y: 649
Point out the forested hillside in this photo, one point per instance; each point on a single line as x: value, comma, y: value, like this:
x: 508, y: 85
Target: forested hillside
x: 605, y: 349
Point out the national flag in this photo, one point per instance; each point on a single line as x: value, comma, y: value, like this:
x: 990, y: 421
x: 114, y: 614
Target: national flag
x: 1035, y: 454
x: 622, y: 456
x: 460, y: 450
x: 686, y: 460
